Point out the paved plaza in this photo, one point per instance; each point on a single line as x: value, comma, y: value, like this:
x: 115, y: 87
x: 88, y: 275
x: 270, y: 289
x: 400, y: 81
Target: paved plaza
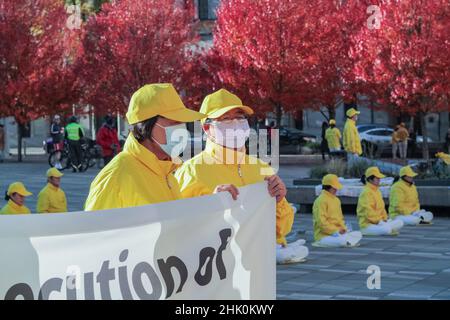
x: 414, y: 265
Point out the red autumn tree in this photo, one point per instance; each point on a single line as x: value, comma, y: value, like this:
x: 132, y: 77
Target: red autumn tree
x: 280, y: 54
x: 405, y: 63
x: 35, y: 50
x: 131, y: 43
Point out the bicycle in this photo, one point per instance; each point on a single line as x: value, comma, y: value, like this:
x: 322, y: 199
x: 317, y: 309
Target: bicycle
x: 65, y: 157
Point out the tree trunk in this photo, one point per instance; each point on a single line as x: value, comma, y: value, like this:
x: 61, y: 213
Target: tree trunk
x: 278, y: 112
x: 331, y: 113
x: 299, y: 119
x: 423, y: 125
x: 19, y: 142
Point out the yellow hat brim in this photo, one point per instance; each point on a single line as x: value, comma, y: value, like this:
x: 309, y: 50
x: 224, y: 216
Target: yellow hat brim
x: 55, y: 175
x: 410, y: 174
x: 24, y: 193
x: 351, y: 114
x: 337, y: 186
x: 183, y: 115
x: 218, y: 113
x: 379, y: 175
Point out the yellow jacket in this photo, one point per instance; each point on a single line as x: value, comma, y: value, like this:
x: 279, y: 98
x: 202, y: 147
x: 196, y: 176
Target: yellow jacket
x: 402, y: 134
x: 51, y: 200
x: 371, y: 208
x: 403, y: 199
x: 13, y: 208
x: 327, y: 215
x: 351, y: 138
x: 445, y: 157
x: 333, y: 136
x: 135, y: 177
x: 394, y: 138
x: 217, y: 165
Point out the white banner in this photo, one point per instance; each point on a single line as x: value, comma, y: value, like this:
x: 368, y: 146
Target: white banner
x: 209, y: 247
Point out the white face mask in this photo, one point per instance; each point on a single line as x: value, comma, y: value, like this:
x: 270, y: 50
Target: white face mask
x: 176, y: 139
x: 231, y: 134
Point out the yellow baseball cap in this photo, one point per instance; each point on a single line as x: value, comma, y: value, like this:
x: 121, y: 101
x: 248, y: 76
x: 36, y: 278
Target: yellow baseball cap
x: 374, y: 171
x: 53, y: 172
x: 351, y: 112
x: 220, y: 102
x: 18, y: 187
x: 332, y: 121
x: 407, y: 171
x: 159, y: 99
x: 331, y: 180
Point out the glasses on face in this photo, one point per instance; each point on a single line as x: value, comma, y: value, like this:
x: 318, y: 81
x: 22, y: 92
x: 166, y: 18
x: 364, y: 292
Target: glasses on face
x: 230, y: 120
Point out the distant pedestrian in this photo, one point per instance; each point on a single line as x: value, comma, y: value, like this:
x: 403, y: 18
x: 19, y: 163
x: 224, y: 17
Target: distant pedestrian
x: 394, y: 142
x: 333, y: 138
x: 108, y: 140
x: 57, y: 134
x: 447, y: 141
x: 351, y: 140
x: 402, y: 136
x: 73, y: 134
x: 324, y: 144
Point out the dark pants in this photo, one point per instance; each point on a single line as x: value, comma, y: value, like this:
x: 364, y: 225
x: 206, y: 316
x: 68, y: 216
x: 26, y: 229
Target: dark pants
x: 75, y: 152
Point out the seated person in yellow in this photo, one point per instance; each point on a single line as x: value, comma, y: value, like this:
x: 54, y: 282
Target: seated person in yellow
x: 143, y: 172
x: 329, y: 225
x: 371, y: 210
x: 404, y: 200
x: 224, y: 161
x: 333, y: 136
x: 16, y: 199
x: 52, y: 198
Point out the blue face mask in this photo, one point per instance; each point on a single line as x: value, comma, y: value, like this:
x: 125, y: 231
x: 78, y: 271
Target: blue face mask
x: 176, y: 139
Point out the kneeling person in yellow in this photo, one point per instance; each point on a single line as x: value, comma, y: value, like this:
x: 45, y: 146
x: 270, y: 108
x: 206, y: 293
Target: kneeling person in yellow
x: 143, y: 172
x: 224, y: 161
x: 16, y: 199
x: 371, y: 211
x: 404, y: 200
x: 329, y: 225
x: 52, y: 198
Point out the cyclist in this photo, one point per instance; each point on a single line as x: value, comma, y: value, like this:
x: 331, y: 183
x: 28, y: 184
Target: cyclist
x: 56, y: 132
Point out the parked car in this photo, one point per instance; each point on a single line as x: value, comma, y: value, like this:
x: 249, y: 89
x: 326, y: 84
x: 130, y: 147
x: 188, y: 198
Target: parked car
x: 368, y: 126
x: 295, y: 137
x: 377, y: 141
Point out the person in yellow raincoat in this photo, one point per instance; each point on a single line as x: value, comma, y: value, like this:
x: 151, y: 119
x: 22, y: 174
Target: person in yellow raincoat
x: 372, y: 216
x: 52, y: 198
x: 404, y: 200
x: 330, y: 229
x: 143, y: 172
x: 333, y: 137
x: 224, y: 161
x: 444, y: 157
x: 16, y: 199
x: 351, y: 141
